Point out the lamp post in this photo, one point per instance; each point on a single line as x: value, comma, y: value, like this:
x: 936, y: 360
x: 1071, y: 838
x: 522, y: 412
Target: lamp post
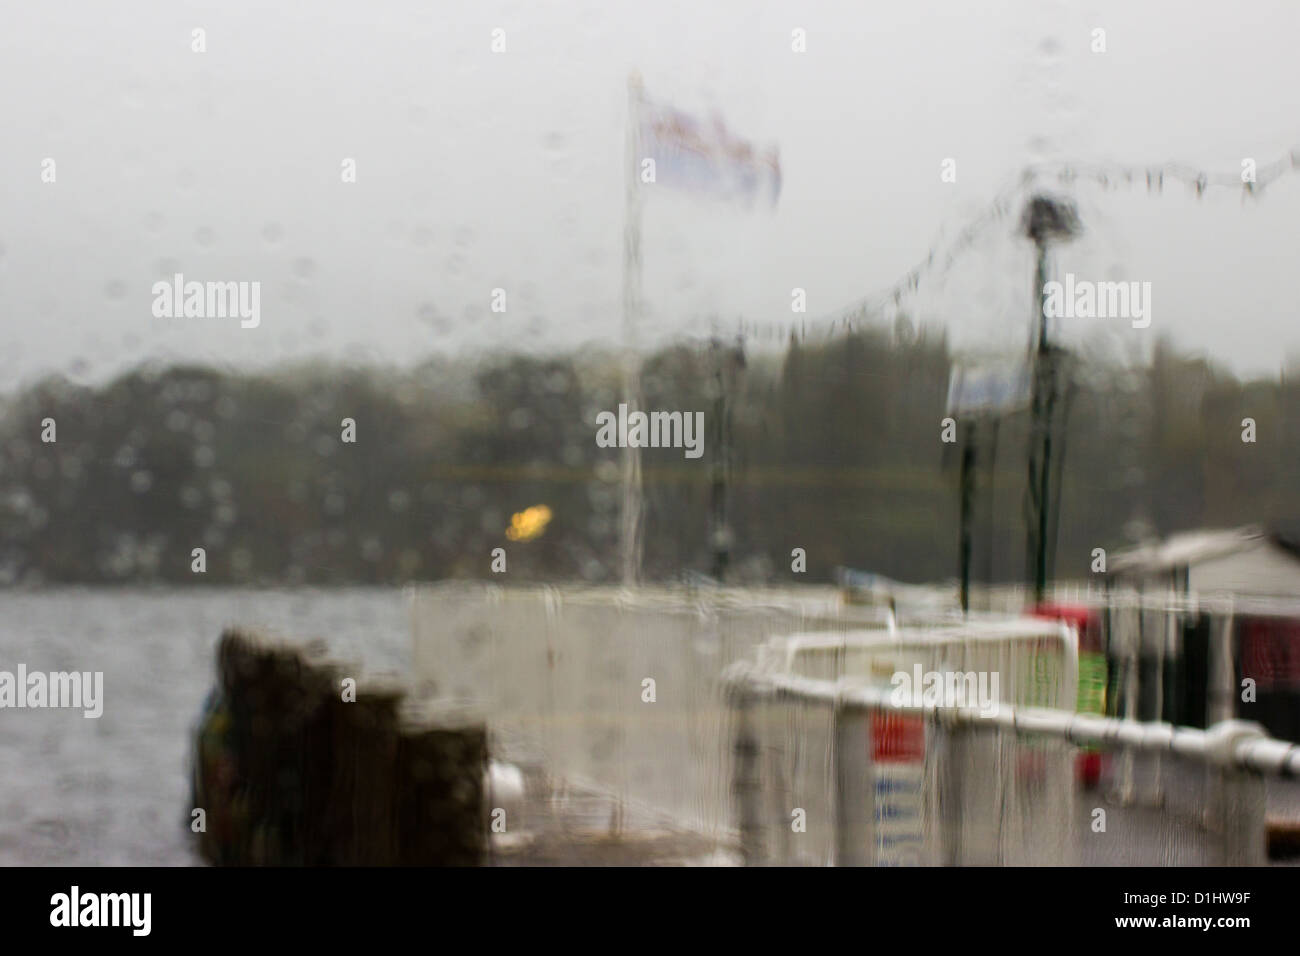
x: 1046, y: 220
x: 727, y: 367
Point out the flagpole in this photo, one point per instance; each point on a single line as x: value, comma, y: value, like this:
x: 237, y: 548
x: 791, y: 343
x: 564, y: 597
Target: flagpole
x: 632, y: 503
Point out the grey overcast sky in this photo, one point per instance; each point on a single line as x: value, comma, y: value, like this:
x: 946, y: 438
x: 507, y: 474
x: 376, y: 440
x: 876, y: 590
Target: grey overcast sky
x: 478, y: 170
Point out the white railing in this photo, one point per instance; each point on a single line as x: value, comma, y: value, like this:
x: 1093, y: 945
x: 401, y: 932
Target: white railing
x: 1037, y: 660
x: 560, y: 673
x: 835, y: 772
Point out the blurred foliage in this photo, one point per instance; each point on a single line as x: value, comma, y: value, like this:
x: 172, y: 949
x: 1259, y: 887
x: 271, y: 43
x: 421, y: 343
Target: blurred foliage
x: 834, y: 448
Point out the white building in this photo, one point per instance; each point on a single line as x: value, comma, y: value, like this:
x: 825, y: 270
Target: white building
x: 1250, y: 560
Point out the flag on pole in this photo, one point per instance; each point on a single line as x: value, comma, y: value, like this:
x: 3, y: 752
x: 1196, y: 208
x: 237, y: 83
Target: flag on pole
x: 705, y: 157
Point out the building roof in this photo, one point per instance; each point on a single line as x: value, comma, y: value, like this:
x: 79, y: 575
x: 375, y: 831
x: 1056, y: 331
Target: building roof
x: 1192, y: 547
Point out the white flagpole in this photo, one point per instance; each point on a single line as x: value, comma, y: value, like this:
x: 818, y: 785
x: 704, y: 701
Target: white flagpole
x: 632, y: 503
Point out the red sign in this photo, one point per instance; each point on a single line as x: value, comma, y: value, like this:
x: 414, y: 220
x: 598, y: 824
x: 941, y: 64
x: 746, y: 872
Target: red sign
x: 1270, y: 652
x: 896, y: 738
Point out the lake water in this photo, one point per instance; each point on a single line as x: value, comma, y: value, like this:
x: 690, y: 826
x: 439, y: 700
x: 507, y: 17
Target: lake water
x: 115, y: 790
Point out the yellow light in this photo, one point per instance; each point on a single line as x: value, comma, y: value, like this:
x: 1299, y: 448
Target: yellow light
x: 528, y: 524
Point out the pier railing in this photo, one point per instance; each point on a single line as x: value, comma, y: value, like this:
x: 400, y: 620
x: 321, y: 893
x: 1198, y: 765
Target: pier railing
x: 561, y: 674
x: 837, y: 772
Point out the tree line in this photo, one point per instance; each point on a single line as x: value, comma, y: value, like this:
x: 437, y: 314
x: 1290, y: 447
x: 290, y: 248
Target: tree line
x: 833, y: 447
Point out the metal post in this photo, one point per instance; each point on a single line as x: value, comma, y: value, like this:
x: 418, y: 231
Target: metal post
x: 1126, y: 638
x: 1222, y: 692
x: 746, y: 780
x: 990, y: 524
x: 854, y: 797
x: 969, y: 436
x: 1040, y: 434
x: 632, y: 499
x: 726, y: 363
x: 1045, y: 220
x: 1238, y: 805
x: 952, y: 798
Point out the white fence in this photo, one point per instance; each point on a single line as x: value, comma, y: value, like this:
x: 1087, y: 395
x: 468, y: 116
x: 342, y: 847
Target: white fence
x: 1036, y: 661
x: 835, y: 772
x: 561, y: 673
x: 770, y: 726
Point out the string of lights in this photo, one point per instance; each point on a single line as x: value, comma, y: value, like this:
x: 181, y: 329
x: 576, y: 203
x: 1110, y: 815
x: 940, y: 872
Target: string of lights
x: 1252, y: 181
